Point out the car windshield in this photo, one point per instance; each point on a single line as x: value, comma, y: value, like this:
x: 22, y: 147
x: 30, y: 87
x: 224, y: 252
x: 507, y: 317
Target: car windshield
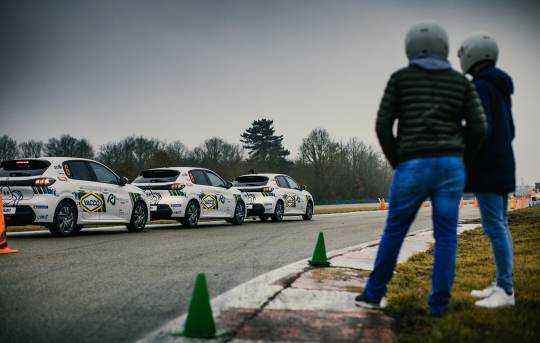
x: 251, y: 180
x: 157, y: 175
x: 22, y: 168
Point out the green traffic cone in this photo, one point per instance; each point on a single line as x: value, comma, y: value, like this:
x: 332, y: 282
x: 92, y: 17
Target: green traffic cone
x: 319, y: 254
x: 199, y: 321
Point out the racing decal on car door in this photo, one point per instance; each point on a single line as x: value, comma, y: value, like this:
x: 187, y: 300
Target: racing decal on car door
x: 209, y: 201
x: 290, y: 200
x: 92, y: 202
x: 111, y: 199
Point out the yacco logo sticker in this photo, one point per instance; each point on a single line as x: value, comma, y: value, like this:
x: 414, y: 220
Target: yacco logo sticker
x: 291, y: 201
x: 92, y: 202
x: 210, y: 202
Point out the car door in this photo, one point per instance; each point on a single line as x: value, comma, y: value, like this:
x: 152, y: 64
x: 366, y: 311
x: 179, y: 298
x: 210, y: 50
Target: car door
x: 225, y: 197
x: 117, y: 204
x: 207, y: 198
x: 287, y: 195
x: 87, y: 192
x: 300, y: 200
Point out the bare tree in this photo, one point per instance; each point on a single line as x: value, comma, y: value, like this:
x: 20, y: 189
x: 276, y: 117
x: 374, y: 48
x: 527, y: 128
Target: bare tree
x: 69, y: 146
x: 8, y: 148
x: 31, y: 148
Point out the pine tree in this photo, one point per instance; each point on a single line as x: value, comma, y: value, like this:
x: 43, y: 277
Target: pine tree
x: 264, y: 147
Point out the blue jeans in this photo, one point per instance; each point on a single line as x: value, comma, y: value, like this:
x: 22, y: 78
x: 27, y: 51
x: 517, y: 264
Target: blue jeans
x: 442, y: 179
x: 493, y: 208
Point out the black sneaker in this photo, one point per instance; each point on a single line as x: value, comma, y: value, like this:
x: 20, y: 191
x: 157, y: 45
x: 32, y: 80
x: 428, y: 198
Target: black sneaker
x: 362, y: 301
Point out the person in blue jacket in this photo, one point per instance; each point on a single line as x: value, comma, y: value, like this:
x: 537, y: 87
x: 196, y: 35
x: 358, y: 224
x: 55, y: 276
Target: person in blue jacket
x: 491, y: 173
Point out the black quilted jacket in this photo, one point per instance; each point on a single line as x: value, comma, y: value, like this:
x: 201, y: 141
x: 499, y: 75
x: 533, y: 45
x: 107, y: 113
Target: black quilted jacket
x: 438, y: 113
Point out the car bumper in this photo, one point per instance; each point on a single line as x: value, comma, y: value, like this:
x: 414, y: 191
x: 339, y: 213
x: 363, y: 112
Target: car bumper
x: 24, y: 215
x: 255, y: 210
x: 160, y: 211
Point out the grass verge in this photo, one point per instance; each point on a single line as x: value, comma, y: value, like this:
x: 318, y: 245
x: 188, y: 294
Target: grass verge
x: 465, y: 322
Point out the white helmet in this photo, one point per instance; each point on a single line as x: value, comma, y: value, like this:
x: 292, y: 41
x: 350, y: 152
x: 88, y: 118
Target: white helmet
x: 478, y: 47
x: 426, y: 37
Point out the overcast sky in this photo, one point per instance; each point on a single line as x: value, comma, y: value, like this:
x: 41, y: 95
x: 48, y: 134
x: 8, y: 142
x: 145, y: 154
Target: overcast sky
x: 189, y: 70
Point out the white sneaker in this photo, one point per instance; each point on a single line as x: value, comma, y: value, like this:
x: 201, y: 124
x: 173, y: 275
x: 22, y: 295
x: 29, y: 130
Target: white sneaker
x: 498, y: 298
x: 484, y: 293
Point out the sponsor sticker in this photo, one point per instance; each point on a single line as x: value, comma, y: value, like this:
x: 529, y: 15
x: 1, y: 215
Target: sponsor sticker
x: 290, y: 201
x: 249, y: 206
x: 153, y: 208
x: 9, y: 210
x: 209, y: 202
x: 176, y: 205
x: 92, y: 203
x: 41, y: 207
x: 111, y: 199
x: 11, y: 197
x: 62, y: 178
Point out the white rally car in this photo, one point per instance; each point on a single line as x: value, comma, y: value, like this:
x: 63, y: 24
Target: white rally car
x: 66, y: 193
x: 274, y: 196
x: 188, y: 193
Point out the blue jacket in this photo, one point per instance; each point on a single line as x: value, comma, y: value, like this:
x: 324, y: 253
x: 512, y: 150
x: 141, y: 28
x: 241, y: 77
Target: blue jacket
x: 493, y: 168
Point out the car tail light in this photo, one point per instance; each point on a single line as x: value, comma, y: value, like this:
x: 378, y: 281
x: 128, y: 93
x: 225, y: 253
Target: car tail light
x: 45, y: 181
x: 268, y: 189
x: 177, y: 186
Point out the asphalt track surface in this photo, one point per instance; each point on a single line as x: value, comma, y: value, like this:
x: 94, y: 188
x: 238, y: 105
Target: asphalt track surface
x: 109, y: 285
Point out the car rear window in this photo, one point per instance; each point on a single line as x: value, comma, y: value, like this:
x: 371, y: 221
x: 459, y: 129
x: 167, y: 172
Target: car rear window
x: 21, y: 168
x: 157, y: 175
x: 251, y: 180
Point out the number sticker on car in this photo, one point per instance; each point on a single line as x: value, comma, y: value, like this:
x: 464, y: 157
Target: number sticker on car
x: 9, y: 210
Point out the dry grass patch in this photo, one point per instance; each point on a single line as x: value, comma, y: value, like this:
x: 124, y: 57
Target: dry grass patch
x: 465, y: 322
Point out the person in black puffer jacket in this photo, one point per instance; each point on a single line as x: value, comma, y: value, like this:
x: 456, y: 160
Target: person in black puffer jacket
x: 440, y: 119
x: 491, y: 174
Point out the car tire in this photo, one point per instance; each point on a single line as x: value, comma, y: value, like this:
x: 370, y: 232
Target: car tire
x: 278, y: 212
x: 65, y: 220
x: 264, y: 217
x: 139, y: 216
x: 192, y: 214
x: 239, y: 214
x: 309, y: 211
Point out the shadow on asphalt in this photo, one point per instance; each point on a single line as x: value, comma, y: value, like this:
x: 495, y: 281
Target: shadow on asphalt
x: 45, y: 234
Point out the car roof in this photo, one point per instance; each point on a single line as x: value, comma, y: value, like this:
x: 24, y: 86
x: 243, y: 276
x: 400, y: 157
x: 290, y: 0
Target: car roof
x: 180, y: 169
x: 268, y: 175
x: 56, y: 159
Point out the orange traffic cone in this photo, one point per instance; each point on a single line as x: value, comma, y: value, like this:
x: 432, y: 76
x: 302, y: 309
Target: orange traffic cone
x: 522, y: 202
x: 513, y: 203
x: 3, y: 237
x: 475, y: 203
x: 462, y: 203
x: 383, y: 204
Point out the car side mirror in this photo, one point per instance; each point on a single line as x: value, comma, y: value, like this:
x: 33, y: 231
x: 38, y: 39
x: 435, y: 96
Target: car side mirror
x: 303, y: 187
x: 228, y: 184
x: 123, y: 181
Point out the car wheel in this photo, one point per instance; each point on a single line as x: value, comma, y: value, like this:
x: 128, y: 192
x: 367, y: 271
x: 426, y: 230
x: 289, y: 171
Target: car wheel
x: 309, y: 211
x: 278, y: 212
x: 263, y: 218
x: 191, y: 217
x: 239, y: 214
x: 139, y: 216
x: 65, y: 220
